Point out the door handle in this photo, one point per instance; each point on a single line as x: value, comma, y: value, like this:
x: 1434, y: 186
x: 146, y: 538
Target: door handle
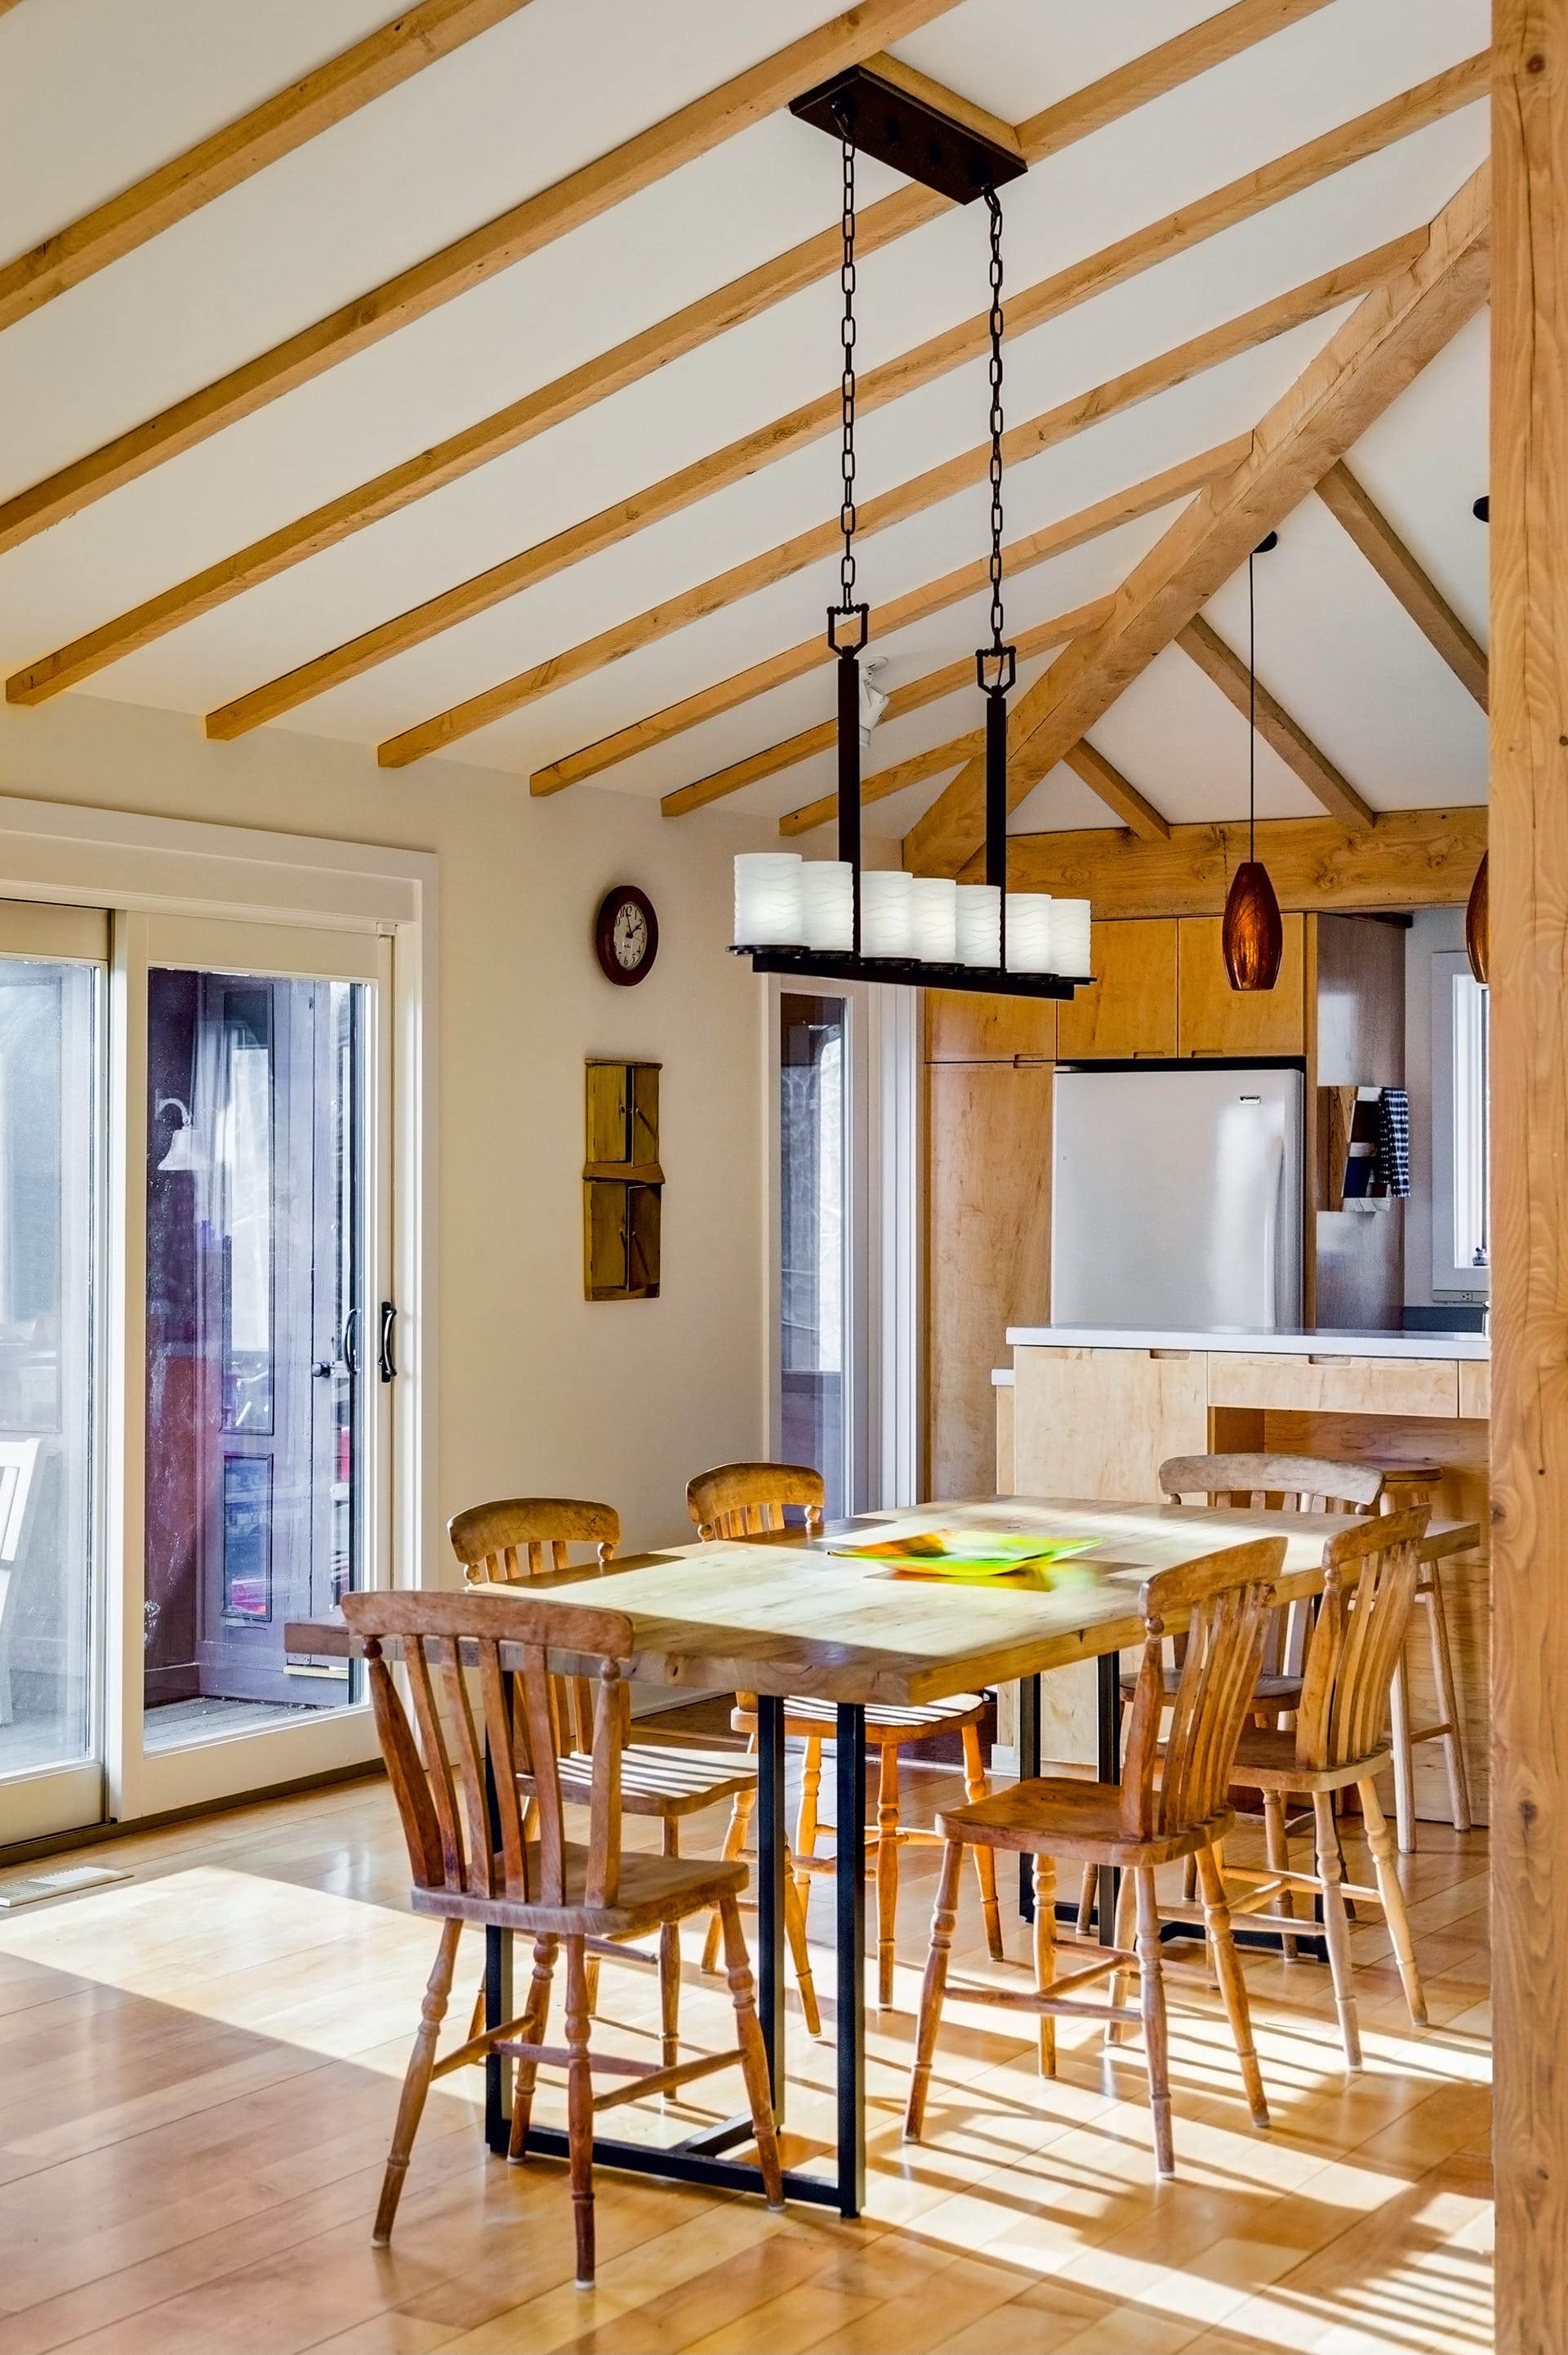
x: 351, y: 1341
x: 383, y: 1353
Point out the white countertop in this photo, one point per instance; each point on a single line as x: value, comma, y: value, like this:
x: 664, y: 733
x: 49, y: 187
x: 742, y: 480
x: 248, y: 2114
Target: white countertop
x: 1253, y: 1344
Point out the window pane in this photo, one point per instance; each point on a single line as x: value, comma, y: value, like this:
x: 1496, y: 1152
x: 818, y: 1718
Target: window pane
x: 48, y: 1095
x: 1472, y: 1123
x: 254, y: 1326
x: 812, y: 1236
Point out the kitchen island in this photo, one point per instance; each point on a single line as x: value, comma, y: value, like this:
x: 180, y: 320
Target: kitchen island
x: 1094, y: 1411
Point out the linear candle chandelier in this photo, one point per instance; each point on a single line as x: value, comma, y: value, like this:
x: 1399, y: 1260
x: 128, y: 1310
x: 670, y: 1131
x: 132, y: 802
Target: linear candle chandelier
x: 830, y: 920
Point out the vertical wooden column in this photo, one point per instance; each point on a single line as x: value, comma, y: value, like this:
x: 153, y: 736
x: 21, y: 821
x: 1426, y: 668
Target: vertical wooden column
x: 1529, y: 490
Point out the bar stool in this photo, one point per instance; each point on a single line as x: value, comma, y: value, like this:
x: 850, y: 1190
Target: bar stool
x: 1407, y: 1487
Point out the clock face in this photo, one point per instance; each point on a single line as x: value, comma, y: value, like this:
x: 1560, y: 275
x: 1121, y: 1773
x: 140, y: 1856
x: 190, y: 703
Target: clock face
x: 626, y: 934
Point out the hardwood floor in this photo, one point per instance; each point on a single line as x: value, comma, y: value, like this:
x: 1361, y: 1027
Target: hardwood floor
x: 198, y: 2071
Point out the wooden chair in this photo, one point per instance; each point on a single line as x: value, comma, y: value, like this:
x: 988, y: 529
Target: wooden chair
x: 518, y: 1538
x: 1340, y: 1738
x: 1147, y: 1820
x: 1406, y: 1486
x: 743, y: 1500
x: 547, y: 1886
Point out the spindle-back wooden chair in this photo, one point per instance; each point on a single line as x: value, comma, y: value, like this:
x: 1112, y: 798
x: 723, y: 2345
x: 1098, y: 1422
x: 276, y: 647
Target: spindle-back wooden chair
x: 748, y: 1500
x: 518, y: 1874
x: 516, y: 1538
x: 1171, y: 1803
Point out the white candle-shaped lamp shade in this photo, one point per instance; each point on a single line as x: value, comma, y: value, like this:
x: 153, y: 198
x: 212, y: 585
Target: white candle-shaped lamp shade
x: 1028, y: 928
x: 827, y: 887
x: 934, y: 919
x: 770, y: 908
x: 886, y: 912
x: 1070, y: 938
x: 978, y: 924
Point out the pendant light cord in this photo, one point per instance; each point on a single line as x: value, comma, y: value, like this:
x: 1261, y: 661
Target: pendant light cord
x: 1251, y: 719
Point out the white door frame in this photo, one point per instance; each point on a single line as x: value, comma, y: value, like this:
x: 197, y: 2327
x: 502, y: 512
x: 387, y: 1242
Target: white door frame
x: 139, y: 869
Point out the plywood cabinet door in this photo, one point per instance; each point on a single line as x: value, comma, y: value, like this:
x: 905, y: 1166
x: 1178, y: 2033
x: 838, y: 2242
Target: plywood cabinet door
x: 1098, y: 1424
x: 988, y: 1253
x: 964, y: 1025
x: 1215, y: 1019
x: 1129, y: 1009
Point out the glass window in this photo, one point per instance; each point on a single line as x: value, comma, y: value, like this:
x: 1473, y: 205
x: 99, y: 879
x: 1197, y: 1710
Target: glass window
x: 813, y: 1236
x: 1472, y: 1123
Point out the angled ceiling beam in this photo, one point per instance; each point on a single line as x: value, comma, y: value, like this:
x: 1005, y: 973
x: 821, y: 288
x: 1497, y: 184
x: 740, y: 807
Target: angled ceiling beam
x: 1365, y: 365
x: 914, y: 496
x: 1278, y: 731
x: 1408, y: 858
x: 1092, y: 769
x: 1397, y: 570
x: 913, y: 695
x: 326, y: 95
x: 747, y: 296
x: 931, y: 597
x: 470, y: 260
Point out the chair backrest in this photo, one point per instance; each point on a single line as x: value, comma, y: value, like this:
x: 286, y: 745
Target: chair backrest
x: 449, y: 1643
x: 743, y: 1500
x: 503, y: 1543
x: 1358, y: 1639
x: 1273, y: 1483
x: 1225, y: 1598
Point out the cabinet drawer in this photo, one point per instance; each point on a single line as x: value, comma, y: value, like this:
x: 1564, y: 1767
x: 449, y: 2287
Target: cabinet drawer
x: 1337, y: 1385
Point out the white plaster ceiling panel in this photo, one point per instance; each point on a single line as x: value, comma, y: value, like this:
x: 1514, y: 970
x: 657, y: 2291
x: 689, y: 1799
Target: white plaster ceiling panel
x: 1174, y: 736
x: 1060, y: 804
x: 1016, y: 57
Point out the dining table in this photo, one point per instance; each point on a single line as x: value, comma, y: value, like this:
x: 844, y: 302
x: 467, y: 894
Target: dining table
x: 784, y: 1614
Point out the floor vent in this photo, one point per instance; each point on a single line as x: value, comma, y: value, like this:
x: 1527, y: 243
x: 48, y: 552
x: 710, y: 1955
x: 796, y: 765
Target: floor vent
x: 34, y: 1888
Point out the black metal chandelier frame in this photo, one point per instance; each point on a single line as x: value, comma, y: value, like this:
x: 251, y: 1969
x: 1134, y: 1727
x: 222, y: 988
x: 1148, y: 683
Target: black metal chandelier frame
x: 868, y: 115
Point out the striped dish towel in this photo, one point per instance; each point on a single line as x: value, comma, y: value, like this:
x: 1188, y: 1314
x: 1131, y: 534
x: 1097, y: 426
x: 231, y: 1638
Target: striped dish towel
x: 1394, y: 1141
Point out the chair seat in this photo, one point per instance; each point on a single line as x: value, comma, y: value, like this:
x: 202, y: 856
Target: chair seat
x: 1267, y: 1760
x: 653, y: 1889
x: 1053, y: 1816
x: 884, y: 1720
x: 659, y: 1779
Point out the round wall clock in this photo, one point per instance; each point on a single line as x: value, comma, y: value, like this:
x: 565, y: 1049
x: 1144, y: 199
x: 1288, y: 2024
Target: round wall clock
x: 626, y: 934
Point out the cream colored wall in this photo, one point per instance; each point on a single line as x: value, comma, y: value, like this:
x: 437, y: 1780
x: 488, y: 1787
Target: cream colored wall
x: 539, y: 1390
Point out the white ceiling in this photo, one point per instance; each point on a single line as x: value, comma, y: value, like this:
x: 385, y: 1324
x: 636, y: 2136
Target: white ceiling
x: 93, y: 94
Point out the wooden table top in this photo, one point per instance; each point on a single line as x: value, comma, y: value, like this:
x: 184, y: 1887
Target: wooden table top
x: 791, y: 1618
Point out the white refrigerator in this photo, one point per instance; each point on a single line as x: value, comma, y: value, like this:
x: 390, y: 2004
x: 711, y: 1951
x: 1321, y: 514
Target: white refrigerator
x: 1177, y: 1200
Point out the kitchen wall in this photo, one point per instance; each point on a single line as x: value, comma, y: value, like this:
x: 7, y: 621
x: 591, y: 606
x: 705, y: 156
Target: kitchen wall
x: 539, y: 1390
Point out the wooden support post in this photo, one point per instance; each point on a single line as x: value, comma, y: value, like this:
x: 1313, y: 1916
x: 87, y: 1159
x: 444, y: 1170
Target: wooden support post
x: 1529, y: 683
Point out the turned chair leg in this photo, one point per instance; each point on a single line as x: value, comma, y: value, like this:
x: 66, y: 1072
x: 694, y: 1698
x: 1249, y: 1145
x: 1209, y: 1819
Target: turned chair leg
x: 580, y: 2110
x: 1336, y: 1925
x: 1155, y: 2042
x: 734, y: 1846
x: 1044, y: 1953
x: 1122, y: 1938
x: 1385, y: 1866
x: 416, y: 2080
x: 1447, y: 1697
x: 1232, y: 1985
x: 536, y: 2022
x: 977, y: 1786
x: 806, y: 1818
x: 753, y: 2053
x: 1404, y: 1760
x: 886, y: 1871
x: 943, y: 1918
x: 1088, y: 1889
x: 670, y: 1968
x: 1277, y: 1848
x: 795, y: 1931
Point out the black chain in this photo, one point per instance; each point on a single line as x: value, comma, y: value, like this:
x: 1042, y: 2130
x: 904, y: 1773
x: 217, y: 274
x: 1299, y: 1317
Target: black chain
x: 846, y: 387
x: 996, y: 664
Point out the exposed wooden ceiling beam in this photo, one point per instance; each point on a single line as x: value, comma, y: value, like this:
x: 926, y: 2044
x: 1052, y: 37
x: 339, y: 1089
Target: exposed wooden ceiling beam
x: 882, y: 783
x: 1278, y: 731
x: 931, y: 597
x: 1408, y: 858
x: 747, y: 296
x: 1390, y: 558
x: 470, y: 260
x: 328, y: 94
x: 1092, y: 769
x: 911, y: 694
x: 1366, y: 364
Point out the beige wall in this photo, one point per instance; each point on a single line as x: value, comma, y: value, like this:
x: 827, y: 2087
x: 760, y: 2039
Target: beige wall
x: 538, y: 1388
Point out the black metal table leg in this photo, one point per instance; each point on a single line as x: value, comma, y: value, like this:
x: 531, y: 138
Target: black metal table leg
x: 1108, y: 1695
x: 848, y: 1877
x: 1028, y: 1764
x: 497, y: 1997
x: 770, y: 1888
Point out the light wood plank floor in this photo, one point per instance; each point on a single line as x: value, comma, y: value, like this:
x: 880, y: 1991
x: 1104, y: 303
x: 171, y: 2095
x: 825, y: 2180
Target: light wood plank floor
x: 198, y: 2071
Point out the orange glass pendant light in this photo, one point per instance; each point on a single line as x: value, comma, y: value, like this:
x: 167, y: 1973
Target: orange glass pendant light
x: 1252, y: 935
x: 1479, y: 925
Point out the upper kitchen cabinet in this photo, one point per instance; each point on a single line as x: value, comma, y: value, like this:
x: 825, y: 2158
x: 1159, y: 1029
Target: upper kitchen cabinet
x: 964, y: 1025
x: 1217, y: 1020
x: 1128, y: 1010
